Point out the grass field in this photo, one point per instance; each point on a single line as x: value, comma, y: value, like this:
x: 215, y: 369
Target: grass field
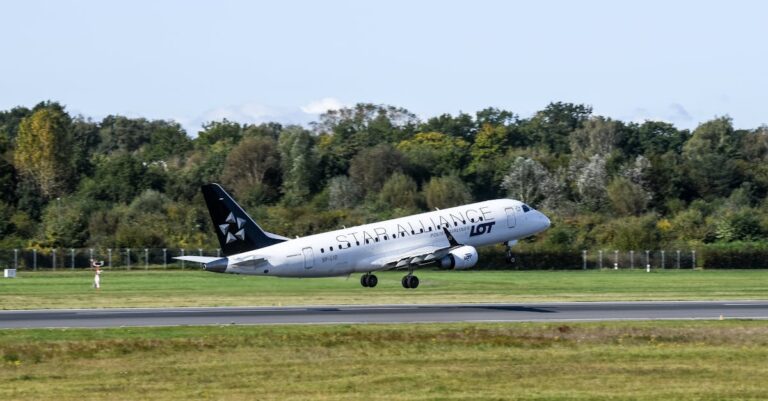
x: 67, y: 289
x: 716, y: 360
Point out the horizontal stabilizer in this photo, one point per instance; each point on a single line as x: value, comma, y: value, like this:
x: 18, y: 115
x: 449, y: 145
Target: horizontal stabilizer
x: 197, y: 259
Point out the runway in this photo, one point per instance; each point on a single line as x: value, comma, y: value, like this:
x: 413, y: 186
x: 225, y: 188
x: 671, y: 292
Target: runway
x: 523, y: 312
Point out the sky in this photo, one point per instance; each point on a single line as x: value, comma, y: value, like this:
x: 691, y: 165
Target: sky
x: 684, y: 62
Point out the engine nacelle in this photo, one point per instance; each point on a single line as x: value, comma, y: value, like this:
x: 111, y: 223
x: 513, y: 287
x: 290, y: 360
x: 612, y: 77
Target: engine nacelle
x: 460, y: 258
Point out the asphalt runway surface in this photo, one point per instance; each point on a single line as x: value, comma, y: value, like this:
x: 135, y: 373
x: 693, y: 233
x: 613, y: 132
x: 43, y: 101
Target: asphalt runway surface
x: 522, y: 312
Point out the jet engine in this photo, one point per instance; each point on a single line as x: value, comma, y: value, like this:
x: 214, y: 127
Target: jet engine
x: 460, y: 258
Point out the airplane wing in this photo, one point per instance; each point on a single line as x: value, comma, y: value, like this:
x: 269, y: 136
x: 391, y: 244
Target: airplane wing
x: 248, y: 261
x: 409, y: 258
x: 197, y: 259
x: 417, y: 257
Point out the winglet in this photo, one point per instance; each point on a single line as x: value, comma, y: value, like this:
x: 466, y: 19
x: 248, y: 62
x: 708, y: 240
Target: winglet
x: 451, y: 240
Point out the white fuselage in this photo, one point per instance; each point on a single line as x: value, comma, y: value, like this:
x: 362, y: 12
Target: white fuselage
x: 354, y: 249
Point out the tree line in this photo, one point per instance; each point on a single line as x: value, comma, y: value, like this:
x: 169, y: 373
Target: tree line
x: 69, y: 181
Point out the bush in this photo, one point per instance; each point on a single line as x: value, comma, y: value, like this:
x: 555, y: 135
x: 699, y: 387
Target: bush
x: 734, y: 256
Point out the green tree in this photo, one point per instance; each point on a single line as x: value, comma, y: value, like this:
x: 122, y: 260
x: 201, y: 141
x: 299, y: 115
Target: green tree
x: 299, y: 165
x: 434, y: 154
x: 65, y: 223
x: 371, y: 167
x: 551, y: 127
x: 218, y: 131
x: 166, y: 140
x: 626, y: 197
x: 343, y: 193
x: 710, y: 157
x: 527, y: 180
x: 120, y: 178
x: 348, y: 131
x: 462, y: 126
x: 399, y: 192
x: 447, y: 191
x: 123, y: 134
x: 44, y: 150
x: 252, y: 170
x: 597, y: 136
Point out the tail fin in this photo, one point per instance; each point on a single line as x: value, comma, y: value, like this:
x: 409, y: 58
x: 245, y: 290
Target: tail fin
x: 237, y: 232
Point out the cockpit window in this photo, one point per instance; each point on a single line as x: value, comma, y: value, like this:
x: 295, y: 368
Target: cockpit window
x: 526, y: 209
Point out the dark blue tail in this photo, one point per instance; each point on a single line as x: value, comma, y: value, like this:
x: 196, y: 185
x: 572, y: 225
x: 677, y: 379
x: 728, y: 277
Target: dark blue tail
x: 237, y: 232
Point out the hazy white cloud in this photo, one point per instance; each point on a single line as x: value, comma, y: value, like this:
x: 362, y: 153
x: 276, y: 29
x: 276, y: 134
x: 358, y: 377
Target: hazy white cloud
x: 322, y: 105
x: 252, y: 113
x: 674, y: 113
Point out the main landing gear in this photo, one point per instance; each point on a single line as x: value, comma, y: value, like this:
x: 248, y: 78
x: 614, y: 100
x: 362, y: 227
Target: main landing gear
x: 369, y: 280
x: 410, y: 281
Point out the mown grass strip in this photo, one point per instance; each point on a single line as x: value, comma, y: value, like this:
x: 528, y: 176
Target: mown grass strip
x: 624, y: 360
x: 196, y: 288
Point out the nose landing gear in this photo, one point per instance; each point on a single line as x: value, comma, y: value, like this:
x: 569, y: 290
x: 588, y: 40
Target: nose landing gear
x: 369, y: 280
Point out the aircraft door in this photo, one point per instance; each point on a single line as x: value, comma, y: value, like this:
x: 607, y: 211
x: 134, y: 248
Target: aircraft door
x: 511, y: 217
x: 309, y: 258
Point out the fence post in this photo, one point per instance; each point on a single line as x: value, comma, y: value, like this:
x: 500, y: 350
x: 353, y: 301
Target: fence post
x: 16, y: 259
x: 165, y: 263
x: 662, y: 259
x: 182, y: 261
x: 34, y: 259
x: 647, y: 261
x: 693, y: 255
x: 218, y: 253
x: 109, y: 257
x: 146, y: 259
x: 90, y: 255
x: 53, y: 253
x: 678, y: 258
x: 128, y: 257
x: 616, y: 259
x: 631, y: 259
x: 583, y: 257
x: 600, y: 260
x: 72, y: 257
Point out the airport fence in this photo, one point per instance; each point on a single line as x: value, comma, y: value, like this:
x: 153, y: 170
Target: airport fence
x: 493, y: 258
x: 113, y: 258
x: 705, y: 257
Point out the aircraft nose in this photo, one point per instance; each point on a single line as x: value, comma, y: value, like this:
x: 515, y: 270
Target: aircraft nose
x: 545, y: 222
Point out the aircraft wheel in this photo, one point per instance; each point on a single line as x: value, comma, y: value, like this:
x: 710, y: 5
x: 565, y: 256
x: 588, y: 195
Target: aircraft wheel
x: 372, y: 281
x: 404, y: 282
x: 364, y: 280
x: 413, y: 282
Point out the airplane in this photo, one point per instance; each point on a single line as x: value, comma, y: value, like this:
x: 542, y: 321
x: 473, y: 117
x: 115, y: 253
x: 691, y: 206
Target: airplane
x: 447, y: 237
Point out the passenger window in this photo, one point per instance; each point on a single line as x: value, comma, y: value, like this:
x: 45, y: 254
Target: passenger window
x: 413, y: 232
x: 377, y: 239
x: 472, y: 220
x: 366, y: 241
x: 430, y: 228
x: 385, y: 238
x: 358, y: 243
x: 421, y: 230
x: 455, y: 224
x: 331, y: 249
x: 322, y: 250
x: 481, y: 219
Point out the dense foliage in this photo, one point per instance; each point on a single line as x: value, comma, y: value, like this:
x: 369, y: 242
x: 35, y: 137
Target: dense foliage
x: 122, y: 182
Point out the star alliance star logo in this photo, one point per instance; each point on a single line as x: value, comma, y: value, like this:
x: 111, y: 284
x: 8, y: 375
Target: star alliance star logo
x: 233, y: 224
